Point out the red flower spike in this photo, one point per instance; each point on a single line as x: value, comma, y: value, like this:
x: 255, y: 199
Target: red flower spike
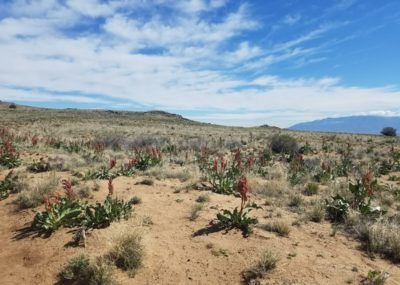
x: 110, y: 187
x: 215, y: 165
x: 113, y: 162
x: 223, y: 164
x: 68, y: 188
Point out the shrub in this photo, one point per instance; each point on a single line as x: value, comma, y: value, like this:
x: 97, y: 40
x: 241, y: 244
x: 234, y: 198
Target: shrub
x: 295, y: 200
x: 203, y: 199
x: 77, y: 268
x: 311, y: 189
x: 388, y: 131
x: 279, y: 227
x: 12, y: 106
x: 266, y: 263
x: 381, y: 237
x: 40, y: 166
x: 128, y: 252
x: 284, y: 144
x: 195, y: 210
x: 317, y: 213
x: 81, y: 270
x: 34, y: 196
x: 375, y: 277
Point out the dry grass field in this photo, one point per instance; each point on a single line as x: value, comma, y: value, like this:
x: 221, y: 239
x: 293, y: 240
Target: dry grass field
x: 105, y: 197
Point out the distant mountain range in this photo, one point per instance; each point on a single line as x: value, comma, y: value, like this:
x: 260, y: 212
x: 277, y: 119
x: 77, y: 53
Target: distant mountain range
x: 352, y: 124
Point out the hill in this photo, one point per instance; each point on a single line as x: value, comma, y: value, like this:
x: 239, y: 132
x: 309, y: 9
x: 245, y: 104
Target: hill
x: 351, y: 124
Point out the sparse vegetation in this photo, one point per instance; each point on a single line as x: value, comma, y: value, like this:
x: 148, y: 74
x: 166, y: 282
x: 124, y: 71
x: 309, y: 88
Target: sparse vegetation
x: 175, y: 174
x: 267, y: 262
x: 128, y: 252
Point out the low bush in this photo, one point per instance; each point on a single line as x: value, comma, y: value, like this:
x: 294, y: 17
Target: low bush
x: 128, y: 252
x: 81, y: 270
x: 389, y: 132
x: 284, y: 144
x: 195, y: 211
x: 39, y: 166
x: 279, y: 227
x: 35, y: 195
x: 317, y: 213
x: 311, y: 189
x: 266, y: 263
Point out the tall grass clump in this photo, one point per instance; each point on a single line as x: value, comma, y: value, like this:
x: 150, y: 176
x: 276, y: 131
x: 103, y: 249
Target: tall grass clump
x: 128, y: 252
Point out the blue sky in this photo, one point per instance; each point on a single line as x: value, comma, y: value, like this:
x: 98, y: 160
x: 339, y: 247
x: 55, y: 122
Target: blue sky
x: 227, y: 62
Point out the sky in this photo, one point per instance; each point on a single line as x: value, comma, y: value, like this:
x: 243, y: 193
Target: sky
x: 243, y: 63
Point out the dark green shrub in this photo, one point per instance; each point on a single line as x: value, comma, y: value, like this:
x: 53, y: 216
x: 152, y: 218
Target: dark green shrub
x: 388, y: 131
x: 284, y: 144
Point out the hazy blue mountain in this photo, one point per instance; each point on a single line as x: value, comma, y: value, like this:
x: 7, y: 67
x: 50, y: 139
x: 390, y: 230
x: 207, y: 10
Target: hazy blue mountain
x: 352, y: 124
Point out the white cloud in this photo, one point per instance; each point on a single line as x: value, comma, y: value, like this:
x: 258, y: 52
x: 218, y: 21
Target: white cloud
x: 194, y: 67
x: 291, y: 19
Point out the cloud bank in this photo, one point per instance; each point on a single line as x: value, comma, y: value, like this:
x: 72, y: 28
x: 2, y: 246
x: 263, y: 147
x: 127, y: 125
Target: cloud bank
x: 183, y: 56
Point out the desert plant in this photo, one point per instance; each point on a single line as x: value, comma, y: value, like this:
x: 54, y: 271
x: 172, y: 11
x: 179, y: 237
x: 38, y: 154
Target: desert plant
x: 195, y: 210
x: 40, y: 166
x: 128, y: 252
x: 279, y: 227
x: 81, y: 270
x: 77, y: 269
x: 375, y: 277
x: 35, y: 195
x: 61, y: 212
x: 9, y: 157
x: 223, y: 177
x: 102, y: 215
x: 317, y: 213
x: 266, y: 263
x: 238, y: 218
x: 311, y: 189
x: 203, y: 199
x: 146, y: 158
x: 337, y: 208
x: 388, y: 131
x: 363, y: 192
x: 295, y: 200
x: 8, y: 185
x: 284, y: 144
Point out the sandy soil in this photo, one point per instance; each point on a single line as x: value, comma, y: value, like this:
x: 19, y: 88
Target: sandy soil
x: 175, y: 256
